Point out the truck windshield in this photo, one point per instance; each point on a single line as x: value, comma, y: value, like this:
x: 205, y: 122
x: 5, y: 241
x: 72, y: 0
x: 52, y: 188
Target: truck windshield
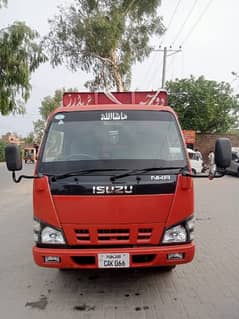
x: 111, y: 139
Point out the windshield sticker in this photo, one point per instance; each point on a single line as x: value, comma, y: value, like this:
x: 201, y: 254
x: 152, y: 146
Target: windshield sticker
x: 60, y: 122
x: 113, y: 116
x: 59, y: 116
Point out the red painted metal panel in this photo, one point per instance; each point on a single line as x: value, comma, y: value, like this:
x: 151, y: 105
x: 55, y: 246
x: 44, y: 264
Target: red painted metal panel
x: 94, y: 98
x: 117, y: 209
x: 160, y: 252
x: 44, y: 208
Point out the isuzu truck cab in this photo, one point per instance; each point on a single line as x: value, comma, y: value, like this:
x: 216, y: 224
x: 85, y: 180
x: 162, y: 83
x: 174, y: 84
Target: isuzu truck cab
x: 112, y: 186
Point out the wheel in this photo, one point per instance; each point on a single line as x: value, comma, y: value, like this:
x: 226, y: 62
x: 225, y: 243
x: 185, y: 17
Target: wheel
x: 238, y: 172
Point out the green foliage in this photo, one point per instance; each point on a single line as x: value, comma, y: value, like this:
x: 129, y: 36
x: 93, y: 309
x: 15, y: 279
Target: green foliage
x: 20, y: 55
x: 203, y: 105
x: 29, y: 139
x: 105, y: 37
x: 2, y: 150
x: 39, y: 127
x: 49, y: 103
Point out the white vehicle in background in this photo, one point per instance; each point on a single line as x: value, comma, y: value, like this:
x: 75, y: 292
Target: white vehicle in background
x: 233, y: 169
x: 196, y: 161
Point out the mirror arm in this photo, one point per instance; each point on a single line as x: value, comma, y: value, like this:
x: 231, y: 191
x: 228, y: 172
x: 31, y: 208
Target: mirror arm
x: 17, y: 180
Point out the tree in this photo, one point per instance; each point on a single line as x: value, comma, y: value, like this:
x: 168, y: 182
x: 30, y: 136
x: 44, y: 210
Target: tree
x: 20, y: 56
x: 39, y: 127
x: 104, y: 37
x: 47, y: 106
x: 30, y: 139
x: 50, y: 103
x: 3, y: 144
x: 203, y: 105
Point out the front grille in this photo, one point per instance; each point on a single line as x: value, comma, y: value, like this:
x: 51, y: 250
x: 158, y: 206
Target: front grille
x: 144, y: 234
x: 82, y: 235
x: 115, y: 235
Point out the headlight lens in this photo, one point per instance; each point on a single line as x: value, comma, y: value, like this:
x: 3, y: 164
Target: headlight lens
x: 50, y: 235
x: 45, y: 234
x: 175, y: 234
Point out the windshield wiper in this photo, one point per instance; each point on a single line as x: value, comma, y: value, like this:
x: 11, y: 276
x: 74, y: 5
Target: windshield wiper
x: 84, y: 172
x: 143, y: 170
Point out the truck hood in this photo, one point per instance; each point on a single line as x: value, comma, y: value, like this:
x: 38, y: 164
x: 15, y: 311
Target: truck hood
x: 113, y: 209
x: 96, y: 200
x: 164, y: 202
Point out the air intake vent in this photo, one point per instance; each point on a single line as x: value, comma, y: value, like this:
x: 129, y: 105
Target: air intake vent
x: 113, y: 235
x: 82, y: 234
x: 144, y: 234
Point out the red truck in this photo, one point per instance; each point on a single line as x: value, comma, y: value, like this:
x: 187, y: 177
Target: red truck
x: 112, y: 184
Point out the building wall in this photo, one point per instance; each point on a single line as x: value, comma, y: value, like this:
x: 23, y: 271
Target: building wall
x: 206, y: 142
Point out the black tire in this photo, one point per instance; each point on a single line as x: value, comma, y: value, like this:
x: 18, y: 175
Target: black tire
x: 238, y: 172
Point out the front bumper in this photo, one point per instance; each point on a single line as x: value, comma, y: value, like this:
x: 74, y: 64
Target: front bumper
x: 88, y: 258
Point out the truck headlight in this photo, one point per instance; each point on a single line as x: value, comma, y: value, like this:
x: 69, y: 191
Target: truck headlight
x: 175, y: 234
x: 46, y: 234
x: 50, y: 235
x: 180, y: 233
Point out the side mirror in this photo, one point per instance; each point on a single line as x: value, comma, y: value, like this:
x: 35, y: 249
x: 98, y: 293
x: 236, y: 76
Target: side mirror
x: 13, y: 158
x: 223, y: 153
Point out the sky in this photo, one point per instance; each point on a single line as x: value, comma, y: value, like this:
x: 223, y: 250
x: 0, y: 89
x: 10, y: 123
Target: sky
x: 206, y: 30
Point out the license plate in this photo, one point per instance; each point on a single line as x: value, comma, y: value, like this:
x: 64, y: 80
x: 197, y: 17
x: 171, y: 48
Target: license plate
x: 113, y: 260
